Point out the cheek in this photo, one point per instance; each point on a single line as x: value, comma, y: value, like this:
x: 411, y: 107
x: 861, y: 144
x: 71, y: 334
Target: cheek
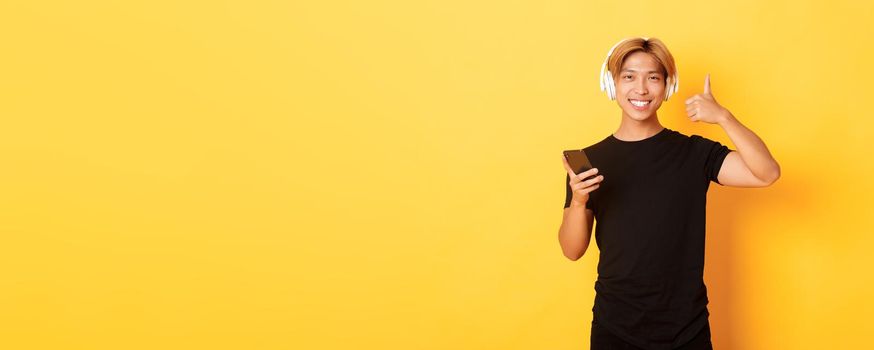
x: 622, y: 89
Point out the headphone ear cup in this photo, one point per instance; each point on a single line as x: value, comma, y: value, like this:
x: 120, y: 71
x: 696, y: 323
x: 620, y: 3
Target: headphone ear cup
x: 606, y: 77
x: 670, y: 89
x: 613, y: 87
x: 602, y: 80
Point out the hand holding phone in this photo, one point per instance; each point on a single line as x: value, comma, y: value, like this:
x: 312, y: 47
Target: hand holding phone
x: 582, y: 175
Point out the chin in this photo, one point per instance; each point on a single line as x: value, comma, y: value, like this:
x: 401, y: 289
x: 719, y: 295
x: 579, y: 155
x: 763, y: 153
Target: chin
x: 639, y: 115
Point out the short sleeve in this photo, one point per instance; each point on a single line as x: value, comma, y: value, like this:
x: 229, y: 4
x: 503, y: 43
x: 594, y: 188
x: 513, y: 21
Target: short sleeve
x: 570, y: 194
x: 714, y: 154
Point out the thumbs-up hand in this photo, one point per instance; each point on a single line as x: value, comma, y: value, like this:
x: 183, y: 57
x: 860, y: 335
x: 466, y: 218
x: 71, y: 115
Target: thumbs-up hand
x: 704, y: 107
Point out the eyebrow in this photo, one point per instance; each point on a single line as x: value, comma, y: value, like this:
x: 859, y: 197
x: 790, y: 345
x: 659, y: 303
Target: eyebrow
x: 633, y: 70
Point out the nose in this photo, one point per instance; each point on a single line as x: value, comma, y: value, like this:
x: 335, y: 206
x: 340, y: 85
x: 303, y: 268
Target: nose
x: 640, y: 87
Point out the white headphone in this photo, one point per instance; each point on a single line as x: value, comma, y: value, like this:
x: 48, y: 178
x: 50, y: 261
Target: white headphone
x: 609, y: 86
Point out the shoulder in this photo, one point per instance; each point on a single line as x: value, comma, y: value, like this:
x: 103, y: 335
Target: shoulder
x: 676, y: 135
x: 694, y: 138
x: 697, y: 143
x: 700, y: 141
x: 597, y: 146
x: 704, y: 142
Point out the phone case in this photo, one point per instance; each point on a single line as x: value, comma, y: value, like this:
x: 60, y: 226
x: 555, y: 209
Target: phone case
x: 578, y: 161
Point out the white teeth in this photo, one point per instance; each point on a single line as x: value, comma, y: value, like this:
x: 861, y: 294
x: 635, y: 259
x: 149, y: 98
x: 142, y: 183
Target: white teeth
x: 639, y: 103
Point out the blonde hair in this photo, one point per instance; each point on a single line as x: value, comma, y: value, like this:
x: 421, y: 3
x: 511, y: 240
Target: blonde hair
x: 654, y: 47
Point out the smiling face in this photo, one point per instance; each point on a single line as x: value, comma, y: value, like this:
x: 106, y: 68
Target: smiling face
x: 640, y: 86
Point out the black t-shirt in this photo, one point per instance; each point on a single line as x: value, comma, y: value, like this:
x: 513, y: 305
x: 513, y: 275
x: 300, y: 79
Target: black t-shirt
x: 649, y: 226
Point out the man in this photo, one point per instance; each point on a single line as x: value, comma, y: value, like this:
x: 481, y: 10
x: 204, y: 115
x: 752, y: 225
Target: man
x: 649, y: 199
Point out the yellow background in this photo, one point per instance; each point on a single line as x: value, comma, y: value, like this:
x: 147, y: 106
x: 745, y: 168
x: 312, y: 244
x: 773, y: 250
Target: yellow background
x: 386, y: 174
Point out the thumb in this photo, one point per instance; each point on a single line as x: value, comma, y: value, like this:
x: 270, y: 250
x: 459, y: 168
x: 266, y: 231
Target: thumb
x: 707, y: 85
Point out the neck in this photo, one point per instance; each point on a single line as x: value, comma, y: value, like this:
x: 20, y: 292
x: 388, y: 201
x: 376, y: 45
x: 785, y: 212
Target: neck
x: 631, y: 129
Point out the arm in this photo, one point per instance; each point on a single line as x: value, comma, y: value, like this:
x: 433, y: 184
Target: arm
x: 752, y: 164
x: 576, y: 223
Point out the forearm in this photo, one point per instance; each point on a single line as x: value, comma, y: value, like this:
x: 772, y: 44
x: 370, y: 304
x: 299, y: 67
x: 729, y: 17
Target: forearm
x: 575, y: 230
x: 751, y: 148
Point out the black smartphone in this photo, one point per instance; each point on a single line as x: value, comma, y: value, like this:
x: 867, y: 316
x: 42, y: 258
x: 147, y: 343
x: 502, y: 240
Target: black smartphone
x: 578, y: 161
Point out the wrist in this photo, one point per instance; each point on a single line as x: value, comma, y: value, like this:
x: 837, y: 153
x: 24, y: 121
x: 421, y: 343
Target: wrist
x: 578, y: 204
x: 726, y: 117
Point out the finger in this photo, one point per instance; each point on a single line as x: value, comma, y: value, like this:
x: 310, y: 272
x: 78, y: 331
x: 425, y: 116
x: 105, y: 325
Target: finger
x: 578, y: 186
x: 694, y: 98
x: 691, y: 112
x: 582, y: 186
x: 586, y: 174
x: 588, y: 189
x: 691, y: 107
x: 595, y: 180
x: 589, y: 182
x: 707, y: 84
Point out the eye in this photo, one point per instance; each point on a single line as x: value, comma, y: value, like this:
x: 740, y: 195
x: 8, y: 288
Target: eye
x: 654, y: 77
x: 627, y: 76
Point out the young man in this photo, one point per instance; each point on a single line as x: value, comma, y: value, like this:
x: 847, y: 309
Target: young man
x: 649, y: 201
